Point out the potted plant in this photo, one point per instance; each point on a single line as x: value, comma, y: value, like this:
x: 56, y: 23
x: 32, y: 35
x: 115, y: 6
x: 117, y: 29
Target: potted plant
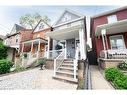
x: 42, y: 62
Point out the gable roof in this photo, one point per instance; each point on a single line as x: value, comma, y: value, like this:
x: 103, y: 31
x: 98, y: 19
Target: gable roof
x: 39, y: 23
x: 16, y: 27
x: 69, y: 11
x: 110, y: 12
x: 102, y: 14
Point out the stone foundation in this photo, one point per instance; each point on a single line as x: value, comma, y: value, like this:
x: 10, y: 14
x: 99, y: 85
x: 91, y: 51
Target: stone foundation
x: 49, y: 64
x: 109, y: 63
x: 81, y: 73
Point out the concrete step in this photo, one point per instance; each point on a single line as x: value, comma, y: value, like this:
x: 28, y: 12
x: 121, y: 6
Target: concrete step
x: 65, y: 64
x: 65, y: 73
x: 67, y: 79
x: 68, y: 61
x: 66, y: 68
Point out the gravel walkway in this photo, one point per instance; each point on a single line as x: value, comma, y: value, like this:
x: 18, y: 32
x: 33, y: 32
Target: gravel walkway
x: 34, y: 79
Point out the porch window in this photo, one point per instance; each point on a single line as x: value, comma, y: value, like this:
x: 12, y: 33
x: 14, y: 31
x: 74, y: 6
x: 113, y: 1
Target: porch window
x: 112, y: 19
x: 117, y: 42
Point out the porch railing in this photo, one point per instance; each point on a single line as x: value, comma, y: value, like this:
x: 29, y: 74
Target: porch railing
x: 58, y: 61
x: 114, y: 54
x: 54, y: 53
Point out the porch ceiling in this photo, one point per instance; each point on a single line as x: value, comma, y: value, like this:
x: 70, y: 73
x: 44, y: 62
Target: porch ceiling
x: 113, y: 28
x: 63, y: 34
x: 35, y: 41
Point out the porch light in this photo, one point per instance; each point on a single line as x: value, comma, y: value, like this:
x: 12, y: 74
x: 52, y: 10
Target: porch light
x: 103, y: 31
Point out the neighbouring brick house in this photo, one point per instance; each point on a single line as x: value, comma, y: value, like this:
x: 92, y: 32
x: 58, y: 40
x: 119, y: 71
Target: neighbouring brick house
x: 109, y: 36
x: 34, y: 43
x: 12, y: 40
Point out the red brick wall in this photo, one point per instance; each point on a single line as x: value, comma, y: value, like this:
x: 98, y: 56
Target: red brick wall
x: 25, y: 35
x: 97, y: 43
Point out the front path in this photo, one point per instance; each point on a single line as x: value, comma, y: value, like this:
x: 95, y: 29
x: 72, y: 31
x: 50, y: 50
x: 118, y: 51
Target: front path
x: 34, y: 79
x: 98, y: 81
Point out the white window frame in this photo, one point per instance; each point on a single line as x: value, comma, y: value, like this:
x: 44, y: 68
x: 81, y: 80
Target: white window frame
x: 117, y: 36
x: 112, y: 18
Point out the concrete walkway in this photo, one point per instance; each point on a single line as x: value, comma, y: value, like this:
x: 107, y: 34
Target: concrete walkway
x: 34, y: 79
x: 98, y: 81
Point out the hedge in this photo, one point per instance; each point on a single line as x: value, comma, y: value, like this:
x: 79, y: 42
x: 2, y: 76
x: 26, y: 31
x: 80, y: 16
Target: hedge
x: 5, y: 66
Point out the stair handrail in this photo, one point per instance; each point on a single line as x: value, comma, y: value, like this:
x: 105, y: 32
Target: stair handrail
x: 58, y: 61
x: 76, y: 62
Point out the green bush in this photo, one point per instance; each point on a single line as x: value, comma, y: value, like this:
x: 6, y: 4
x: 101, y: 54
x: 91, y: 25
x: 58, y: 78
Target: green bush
x: 19, y: 68
x: 42, y: 61
x: 121, y: 82
x: 111, y: 73
x: 5, y: 66
x: 3, y: 51
x: 123, y: 65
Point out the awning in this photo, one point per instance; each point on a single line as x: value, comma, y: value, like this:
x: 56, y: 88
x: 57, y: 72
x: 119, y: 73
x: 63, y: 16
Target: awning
x: 113, y: 28
x: 66, y: 33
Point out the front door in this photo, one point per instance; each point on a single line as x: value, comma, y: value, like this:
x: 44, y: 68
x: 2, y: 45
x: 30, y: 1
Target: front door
x: 70, y: 46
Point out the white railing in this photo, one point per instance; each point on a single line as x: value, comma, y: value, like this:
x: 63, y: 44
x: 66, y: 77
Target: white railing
x: 76, y: 61
x: 58, y: 61
x: 114, y: 54
x: 54, y: 53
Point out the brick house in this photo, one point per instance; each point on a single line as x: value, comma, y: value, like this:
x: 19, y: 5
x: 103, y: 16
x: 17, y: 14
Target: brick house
x: 34, y: 43
x: 12, y: 40
x: 109, y: 36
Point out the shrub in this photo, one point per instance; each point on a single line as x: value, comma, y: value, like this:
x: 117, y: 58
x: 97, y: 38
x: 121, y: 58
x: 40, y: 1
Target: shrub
x: 121, y: 82
x: 25, y: 55
x: 111, y: 73
x: 5, y: 66
x: 123, y: 65
x: 19, y: 68
x: 42, y: 61
x: 3, y: 51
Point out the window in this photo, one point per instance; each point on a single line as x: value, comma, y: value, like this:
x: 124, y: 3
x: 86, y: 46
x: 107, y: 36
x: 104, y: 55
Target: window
x: 117, y: 42
x: 112, y: 19
x: 66, y: 17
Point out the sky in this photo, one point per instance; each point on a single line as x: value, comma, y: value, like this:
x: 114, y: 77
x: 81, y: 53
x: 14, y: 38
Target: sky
x: 9, y: 15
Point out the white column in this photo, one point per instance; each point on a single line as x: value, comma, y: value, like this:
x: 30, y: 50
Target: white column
x: 38, y: 48
x: 31, y: 47
x: 103, y: 32
x: 48, y: 47
x: 22, y: 47
x: 82, y: 44
x: 65, y: 51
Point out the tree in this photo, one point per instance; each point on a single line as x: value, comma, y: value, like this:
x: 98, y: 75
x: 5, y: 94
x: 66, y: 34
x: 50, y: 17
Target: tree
x: 3, y: 51
x: 31, y: 20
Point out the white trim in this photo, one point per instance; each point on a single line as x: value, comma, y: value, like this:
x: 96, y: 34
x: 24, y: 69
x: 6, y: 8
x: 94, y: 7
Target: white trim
x: 70, y: 11
x: 109, y: 12
x: 117, y: 36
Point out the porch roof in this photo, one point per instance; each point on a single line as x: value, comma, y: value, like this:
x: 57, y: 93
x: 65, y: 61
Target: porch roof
x: 35, y: 41
x: 113, y: 28
x: 65, y: 33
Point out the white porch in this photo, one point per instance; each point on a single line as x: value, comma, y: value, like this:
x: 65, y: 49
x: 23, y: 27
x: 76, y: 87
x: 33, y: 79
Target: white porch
x: 117, y: 43
x: 35, y: 52
x: 61, y: 34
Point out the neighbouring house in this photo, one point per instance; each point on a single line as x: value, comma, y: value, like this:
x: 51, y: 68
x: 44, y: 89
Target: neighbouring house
x: 109, y: 37
x: 34, y: 43
x: 69, y: 44
x: 12, y: 41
